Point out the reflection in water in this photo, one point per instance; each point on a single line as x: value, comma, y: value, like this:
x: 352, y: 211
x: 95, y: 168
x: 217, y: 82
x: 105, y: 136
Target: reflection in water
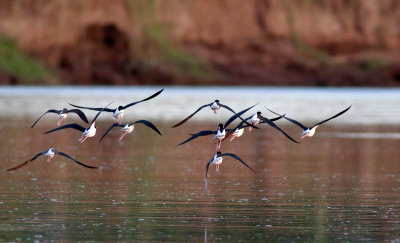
x: 330, y: 187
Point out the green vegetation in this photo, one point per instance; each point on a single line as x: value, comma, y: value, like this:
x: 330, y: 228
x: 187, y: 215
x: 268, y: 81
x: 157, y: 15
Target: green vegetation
x: 372, y: 63
x: 182, y: 62
x: 15, y: 62
x: 319, y: 55
x: 151, y: 46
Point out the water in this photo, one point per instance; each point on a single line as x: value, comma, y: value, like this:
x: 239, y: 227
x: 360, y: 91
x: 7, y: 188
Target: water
x: 341, y: 185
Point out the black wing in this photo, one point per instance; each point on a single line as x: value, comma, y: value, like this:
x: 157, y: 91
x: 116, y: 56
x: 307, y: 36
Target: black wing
x: 238, y: 159
x: 72, y: 125
x: 147, y: 123
x: 92, y: 108
x: 49, y: 111
x: 229, y: 132
x: 26, y: 162
x: 277, y: 118
x: 205, y: 180
x: 202, y: 133
x: 243, y: 120
x: 98, y: 113
x: 190, y: 116
x: 148, y: 98
x: 289, y: 119
x: 80, y: 114
x: 76, y: 161
x: 237, y: 115
x: 338, y: 114
x: 109, y: 129
x: 272, y: 124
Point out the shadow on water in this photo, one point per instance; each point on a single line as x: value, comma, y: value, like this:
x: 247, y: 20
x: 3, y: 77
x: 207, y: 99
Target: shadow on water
x: 334, y: 186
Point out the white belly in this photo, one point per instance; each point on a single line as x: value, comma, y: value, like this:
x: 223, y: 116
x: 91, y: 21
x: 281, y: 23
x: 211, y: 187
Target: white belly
x: 127, y: 129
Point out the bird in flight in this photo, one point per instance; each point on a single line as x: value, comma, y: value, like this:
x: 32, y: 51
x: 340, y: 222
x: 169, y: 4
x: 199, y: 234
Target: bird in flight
x: 50, y: 154
x: 63, y: 114
x: 118, y: 112
x: 128, y: 128
x: 217, y: 160
x: 86, y: 132
x: 310, y: 131
x: 215, y: 106
x: 220, y: 133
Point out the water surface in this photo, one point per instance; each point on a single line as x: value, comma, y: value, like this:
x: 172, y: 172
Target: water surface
x: 327, y: 188
x: 341, y: 185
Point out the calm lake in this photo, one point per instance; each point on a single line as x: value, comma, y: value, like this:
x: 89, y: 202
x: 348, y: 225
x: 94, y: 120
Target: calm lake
x: 343, y: 184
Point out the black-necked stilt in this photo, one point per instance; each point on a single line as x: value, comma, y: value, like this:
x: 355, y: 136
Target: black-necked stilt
x: 310, y: 131
x: 86, y: 132
x: 50, y: 154
x: 128, y: 128
x: 118, y: 113
x: 215, y: 106
x: 217, y: 160
x: 62, y: 114
x: 220, y: 133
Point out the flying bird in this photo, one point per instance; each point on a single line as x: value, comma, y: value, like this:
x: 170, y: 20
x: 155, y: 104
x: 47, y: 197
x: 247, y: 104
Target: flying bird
x: 128, y: 128
x: 220, y: 133
x: 118, y: 112
x: 310, y: 131
x: 63, y: 114
x: 50, y: 154
x: 239, y: 129
x: 215, y: 106
x: 86, y: 132
x: 217, y: 160
x: 272, y: 124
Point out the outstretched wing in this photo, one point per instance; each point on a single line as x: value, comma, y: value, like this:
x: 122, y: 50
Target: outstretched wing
x: 109, y: 129
x: 338, y: 114
x: 199, y: 134
x: 80, y: 114
x: 238, y: 159
x: 147, y: 123
x: 148, y: 98
x: 243, y: 120
x: 277, y: 118
x: 92, y: 108
x: 272, y: 124
x: 26, y: 162
x: 236, y: 116
x: 98, y: 113
x: 72, y: 125
x: 205, y: 180
x: 190, y: 116
x: 49, y: 111
x: 76, y: 161
x: 289, y: 119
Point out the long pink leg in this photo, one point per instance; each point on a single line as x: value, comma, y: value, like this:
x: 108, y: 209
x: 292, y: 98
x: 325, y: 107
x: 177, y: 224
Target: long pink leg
x: 219, y: 144
x: 119, y: 121
x: 122, y: 136
x: 82, y: 139
x: 251, y: 128
x: 233, y: 137
x: 59, y: 121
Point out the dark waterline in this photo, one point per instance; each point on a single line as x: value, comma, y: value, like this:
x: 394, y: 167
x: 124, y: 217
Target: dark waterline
x: 328, y: 188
